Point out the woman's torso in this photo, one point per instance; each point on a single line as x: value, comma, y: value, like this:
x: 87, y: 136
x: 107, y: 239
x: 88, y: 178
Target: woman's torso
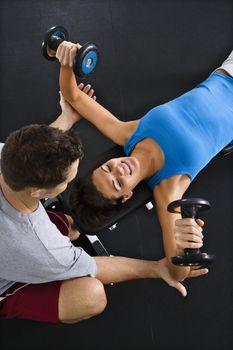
x: 190, y: 129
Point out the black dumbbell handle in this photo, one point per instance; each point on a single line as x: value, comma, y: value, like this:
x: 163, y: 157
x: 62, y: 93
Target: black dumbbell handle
x: 55, y: 41
x: 189, y: 211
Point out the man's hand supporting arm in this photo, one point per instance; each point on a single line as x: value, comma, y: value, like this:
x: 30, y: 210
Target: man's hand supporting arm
x: 69, y: 116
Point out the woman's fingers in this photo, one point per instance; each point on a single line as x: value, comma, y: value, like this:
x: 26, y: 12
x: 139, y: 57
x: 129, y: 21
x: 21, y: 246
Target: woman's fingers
x: 200, y: 222
x: 189, y: 230
x: 66, y: 52
x: 190, y: 222
x: 186, y: 242
x: 188, y: 226
x: 59, y: 53
x: 188, y: 233
x: 78, y: 46
x: 66, y: 56
x: 72, y: 54
x: 186, y: 230
x: 186, y: 237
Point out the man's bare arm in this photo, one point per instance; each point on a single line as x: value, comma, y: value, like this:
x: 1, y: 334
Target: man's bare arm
x: 117, y: 269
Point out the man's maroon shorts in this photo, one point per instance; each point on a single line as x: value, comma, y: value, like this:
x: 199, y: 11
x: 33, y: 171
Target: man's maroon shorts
x: 35, y: 301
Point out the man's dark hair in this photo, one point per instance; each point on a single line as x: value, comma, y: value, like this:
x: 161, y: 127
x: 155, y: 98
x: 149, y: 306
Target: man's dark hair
x: 89, y: 205
x: 39, y: 156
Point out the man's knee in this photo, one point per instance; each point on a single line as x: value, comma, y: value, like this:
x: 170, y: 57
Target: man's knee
x: 81, y: 298
x: 96, y: 297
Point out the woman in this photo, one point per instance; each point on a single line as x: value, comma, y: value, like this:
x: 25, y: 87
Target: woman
x: 167, y: 147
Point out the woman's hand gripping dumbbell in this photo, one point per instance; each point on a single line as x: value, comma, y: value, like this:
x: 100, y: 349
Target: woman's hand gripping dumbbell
x: 192, y: 255
x: 85, y: 58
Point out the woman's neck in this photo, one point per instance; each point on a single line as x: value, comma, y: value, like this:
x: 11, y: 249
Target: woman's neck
x: 20, y: 200
x: 150, y: 157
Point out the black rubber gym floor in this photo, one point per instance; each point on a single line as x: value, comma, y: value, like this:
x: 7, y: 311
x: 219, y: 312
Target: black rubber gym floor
x: 150, y: 52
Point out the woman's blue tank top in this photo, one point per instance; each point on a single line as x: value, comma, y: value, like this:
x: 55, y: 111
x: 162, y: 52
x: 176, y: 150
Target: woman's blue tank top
x: 191, y: 129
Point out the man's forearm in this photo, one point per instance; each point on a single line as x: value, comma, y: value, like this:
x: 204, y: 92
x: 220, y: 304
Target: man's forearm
x: 61, y: 123
x: 68, y: 88
x: 119, y: 269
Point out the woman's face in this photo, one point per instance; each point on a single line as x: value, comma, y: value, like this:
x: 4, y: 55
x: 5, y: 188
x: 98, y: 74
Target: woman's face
x: 117, y: 177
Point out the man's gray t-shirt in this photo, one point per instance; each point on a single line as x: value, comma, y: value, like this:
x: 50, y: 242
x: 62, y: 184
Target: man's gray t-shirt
x: 32, y: 249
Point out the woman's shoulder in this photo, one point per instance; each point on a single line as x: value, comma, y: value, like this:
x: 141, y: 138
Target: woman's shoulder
x: 129, y: 128
x: 174, y: 185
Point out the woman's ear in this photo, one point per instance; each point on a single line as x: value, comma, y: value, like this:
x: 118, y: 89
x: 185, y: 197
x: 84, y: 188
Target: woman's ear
x: 127, y: 196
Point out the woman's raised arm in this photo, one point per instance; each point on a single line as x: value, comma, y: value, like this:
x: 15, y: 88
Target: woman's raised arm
x: 105, y: 122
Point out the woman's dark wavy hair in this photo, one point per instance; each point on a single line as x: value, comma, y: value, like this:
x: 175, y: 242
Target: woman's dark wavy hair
x: 89, y: 205
x: 39, y: 156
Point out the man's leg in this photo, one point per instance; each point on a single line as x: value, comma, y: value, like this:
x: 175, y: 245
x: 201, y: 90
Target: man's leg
x: 80, y: 299
x: 60, y: 301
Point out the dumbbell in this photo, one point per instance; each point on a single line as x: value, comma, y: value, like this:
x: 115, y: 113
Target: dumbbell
x: 86, y: 58
x: 188, y: 209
